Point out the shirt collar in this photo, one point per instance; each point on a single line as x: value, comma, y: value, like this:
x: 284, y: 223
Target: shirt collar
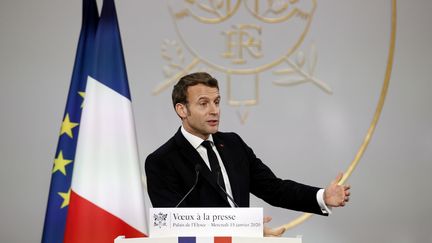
x: 194, y: 140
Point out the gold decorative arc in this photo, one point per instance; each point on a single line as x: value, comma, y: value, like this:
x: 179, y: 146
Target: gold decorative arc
x: 375, y: 119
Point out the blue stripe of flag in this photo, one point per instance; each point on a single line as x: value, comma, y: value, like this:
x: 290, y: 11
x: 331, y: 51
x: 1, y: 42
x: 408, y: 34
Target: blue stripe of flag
x: 186, y: 239
x: 110, y: 68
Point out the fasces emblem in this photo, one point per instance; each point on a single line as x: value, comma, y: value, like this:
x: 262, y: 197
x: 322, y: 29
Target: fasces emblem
x: 160, y: 220
x: 242, y: 39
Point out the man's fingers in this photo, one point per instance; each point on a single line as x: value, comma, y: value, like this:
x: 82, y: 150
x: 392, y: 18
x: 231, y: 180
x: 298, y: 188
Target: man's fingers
x: 277, y: 232
x: 337, y: 195
x: 267, y: 219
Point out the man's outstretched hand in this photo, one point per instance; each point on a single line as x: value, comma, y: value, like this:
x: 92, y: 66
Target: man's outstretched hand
x: 336, y: 195
x: 272, y: 232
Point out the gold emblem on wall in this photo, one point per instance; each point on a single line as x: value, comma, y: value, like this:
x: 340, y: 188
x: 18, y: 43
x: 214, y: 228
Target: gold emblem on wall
x: 242, y: 39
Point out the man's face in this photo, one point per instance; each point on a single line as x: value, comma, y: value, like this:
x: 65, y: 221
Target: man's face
x: 201, y: 115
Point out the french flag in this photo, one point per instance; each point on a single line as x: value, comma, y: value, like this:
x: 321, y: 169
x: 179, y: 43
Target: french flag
x: 216, y: 239
x: 106, y: 197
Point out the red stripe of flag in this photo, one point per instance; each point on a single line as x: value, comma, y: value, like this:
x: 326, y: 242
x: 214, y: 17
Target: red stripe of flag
x: 222, y: 239
x: 87, y: 222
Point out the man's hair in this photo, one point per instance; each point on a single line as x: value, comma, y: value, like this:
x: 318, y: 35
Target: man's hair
x: 179, y: 93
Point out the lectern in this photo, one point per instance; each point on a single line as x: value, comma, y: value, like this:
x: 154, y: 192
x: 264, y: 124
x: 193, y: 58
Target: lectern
x: 122, y: 239
x: 206, y: 225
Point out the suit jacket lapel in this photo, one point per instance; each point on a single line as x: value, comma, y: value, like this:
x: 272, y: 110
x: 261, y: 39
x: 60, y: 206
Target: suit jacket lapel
x: 193, y: 157
x: 228, y: 160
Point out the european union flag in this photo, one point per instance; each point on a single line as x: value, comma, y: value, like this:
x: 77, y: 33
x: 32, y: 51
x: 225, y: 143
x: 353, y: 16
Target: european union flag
x: 59, y: 193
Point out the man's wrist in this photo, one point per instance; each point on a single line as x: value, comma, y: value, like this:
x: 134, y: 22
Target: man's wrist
x: 321, y: 202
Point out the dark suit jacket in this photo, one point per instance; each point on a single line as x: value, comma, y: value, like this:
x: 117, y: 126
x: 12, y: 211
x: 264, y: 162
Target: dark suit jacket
x: 171, y: 173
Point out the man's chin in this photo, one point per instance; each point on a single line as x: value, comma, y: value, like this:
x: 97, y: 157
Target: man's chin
x: 213, y: 130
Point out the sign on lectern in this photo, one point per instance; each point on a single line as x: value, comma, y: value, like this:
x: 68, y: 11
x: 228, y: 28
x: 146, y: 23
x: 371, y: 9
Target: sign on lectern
x: 235, y: 222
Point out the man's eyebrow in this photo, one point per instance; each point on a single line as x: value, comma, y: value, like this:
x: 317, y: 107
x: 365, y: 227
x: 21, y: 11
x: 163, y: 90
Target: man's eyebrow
x: 208, y: 98
x: 203, y: 98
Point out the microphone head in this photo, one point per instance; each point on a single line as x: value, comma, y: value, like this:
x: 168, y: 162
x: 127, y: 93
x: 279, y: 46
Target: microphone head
x: 198, y: 168
x: 197, y: 171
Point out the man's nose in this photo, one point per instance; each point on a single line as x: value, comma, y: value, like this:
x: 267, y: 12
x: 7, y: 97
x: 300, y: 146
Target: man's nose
x: 214, y: 108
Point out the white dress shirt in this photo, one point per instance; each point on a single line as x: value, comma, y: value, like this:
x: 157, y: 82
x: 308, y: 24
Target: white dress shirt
x: 196, y: 143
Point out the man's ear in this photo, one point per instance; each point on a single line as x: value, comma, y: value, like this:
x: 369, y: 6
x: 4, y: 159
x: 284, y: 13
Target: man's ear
x: 181, y: 110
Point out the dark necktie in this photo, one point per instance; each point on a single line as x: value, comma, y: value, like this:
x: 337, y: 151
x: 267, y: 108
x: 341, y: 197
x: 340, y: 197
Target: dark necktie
x: 214, y: 163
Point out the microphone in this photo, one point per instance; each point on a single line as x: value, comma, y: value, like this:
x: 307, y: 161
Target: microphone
x: 226, y: 193
x: 197, y: 171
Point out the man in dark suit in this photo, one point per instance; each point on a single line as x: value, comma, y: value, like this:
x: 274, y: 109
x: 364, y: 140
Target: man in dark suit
x: 220, y: 163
